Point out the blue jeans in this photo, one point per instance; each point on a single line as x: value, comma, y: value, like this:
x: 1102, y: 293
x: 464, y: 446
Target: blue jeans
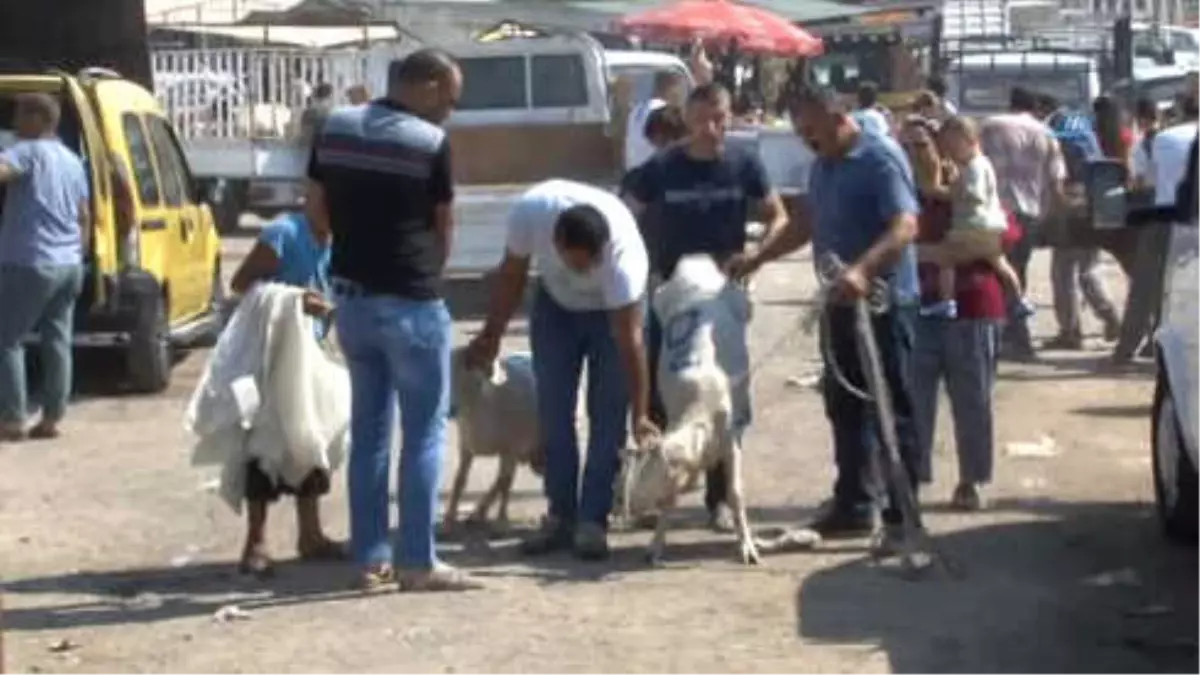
x: 563, y: 340
x: 40, y: 298
x: 398, y: 351
x: 857, y: 438
x: 963, y: 353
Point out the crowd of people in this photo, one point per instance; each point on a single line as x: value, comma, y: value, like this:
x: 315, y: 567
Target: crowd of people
x: 940, y: 209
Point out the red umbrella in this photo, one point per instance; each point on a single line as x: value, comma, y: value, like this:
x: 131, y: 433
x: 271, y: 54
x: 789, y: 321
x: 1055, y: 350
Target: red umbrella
x: 753, y: 28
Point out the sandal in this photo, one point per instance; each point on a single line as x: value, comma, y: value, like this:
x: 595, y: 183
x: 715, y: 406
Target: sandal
x: 257, y: 564
x: 326, y: 550
x: 441, y: 578
x: 376, y: 579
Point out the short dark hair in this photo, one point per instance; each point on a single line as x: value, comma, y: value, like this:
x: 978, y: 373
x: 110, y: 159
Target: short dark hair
x: 666, y: 123
x: 421, y: 67
x: 323, y: 90
x: 1047, y: 102
x: 826, y: 99
x: 937, y: 84
x: 868, y: 94
x: 1021, y: 99
x: 1146, y: 108
x: 582, y: 228
x: 712, y: 93
x: 44, y: 106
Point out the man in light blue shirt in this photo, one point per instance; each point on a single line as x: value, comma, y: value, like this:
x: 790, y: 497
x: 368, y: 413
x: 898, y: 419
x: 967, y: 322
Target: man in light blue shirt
x: 42, y: 234
x: 862, y: 207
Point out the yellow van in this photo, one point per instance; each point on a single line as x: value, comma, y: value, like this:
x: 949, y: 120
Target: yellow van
x: 153, y: 281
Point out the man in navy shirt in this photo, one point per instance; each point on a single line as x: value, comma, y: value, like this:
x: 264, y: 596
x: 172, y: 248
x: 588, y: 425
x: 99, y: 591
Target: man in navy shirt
x: 862, y: 207
x: 702, y: 194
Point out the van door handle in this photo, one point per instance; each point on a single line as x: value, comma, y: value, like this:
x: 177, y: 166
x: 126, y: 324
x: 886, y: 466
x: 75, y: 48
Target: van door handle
x: 187, y: 227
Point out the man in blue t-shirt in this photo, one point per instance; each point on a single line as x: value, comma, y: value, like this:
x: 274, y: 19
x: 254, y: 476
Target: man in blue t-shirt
x: 43, y: 240
x: 862, y: 207
x: 292, y: 250
x: 702, y: 194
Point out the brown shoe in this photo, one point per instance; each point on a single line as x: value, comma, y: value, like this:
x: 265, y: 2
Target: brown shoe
x: 44, y: 431
x: 441, y: 579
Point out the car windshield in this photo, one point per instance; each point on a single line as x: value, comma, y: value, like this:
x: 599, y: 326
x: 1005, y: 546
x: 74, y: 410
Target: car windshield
x: 990, y: 90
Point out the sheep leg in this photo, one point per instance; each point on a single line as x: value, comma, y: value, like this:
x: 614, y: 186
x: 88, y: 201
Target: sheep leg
x: 658, y: 545
x: 479, y: 515
x: 746, y: 546
x: 450, y: 518
x: 508, y: 472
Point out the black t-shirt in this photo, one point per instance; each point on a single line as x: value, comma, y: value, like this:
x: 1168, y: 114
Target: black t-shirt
x: 698, y: 206
x: 384, y: 171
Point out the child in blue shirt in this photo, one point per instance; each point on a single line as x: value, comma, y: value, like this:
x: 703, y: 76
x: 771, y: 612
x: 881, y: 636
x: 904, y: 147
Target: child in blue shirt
x: 293, y: 250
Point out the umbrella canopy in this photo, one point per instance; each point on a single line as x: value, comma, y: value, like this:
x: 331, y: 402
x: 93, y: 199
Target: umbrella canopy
x: 753, y: 28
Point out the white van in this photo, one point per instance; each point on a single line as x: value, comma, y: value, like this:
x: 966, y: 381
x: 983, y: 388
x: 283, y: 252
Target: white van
x: 980, y: 84
x: 1175, y: 421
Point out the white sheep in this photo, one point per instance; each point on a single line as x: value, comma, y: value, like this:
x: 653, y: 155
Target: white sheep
x: 697, y: 395
x: 497, y: 416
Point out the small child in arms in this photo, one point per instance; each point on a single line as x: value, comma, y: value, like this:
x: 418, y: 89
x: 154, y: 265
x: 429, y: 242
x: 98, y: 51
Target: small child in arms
x: 979, y: 220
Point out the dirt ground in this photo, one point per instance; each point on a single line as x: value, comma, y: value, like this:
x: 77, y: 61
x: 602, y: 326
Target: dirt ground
x: 115, y: 553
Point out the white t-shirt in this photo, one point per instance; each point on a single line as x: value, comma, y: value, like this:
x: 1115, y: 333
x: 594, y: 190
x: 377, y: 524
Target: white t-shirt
x: 638, y: 148
x: 617, y: 281
x: 1171, y: 147
x: 976, y: 199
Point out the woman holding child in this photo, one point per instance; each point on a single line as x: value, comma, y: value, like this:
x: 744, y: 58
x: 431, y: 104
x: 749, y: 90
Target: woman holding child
x: 959, y: 345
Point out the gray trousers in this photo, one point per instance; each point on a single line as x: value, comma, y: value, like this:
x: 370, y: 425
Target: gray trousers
x: 963, y: 354
x: 1145, y: 290
x: 1072, y: 267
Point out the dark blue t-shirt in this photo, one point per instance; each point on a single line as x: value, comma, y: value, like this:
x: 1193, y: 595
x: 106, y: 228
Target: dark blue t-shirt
x: 853, y: 200
x: 699, y: 206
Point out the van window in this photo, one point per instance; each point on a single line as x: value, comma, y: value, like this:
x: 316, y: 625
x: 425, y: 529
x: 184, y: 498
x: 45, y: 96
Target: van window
x: 170, y: 164
x: 990, y: 90
x: 523, y: 82
x: 491, y: 82
x: 559, y: 81
x: 143, y: 166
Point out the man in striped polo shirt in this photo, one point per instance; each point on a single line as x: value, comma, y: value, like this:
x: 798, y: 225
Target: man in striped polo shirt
x: 382, y: 170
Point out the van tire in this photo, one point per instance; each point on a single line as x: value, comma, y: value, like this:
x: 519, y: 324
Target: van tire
x: 148, y: 357
x: 1175, y: 479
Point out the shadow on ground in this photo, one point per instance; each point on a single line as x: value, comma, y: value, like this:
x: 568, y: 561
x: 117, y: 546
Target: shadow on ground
x: 1078, y: 588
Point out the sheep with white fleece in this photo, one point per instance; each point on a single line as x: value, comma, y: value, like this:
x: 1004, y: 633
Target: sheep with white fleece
x: 698, y: 307
x: 496, y: 411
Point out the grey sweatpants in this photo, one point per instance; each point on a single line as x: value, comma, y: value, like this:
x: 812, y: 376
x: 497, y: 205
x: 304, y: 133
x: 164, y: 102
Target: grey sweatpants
x: 1072, y: 267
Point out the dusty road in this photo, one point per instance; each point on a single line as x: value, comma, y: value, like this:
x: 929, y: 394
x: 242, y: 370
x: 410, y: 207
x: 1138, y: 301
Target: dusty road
x: 115, y: 555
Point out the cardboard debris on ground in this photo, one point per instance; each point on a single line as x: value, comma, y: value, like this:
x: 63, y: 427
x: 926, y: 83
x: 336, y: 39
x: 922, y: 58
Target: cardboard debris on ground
x: 1044, y: 448
x: 230, y: 613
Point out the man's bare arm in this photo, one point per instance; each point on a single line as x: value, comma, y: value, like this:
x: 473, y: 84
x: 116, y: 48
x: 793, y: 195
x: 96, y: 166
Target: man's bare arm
x: 507, y: 294
x: 85, y: 224
x: 443, y: 228
x: 887, y: 249
x: 627, y: 331
x: 261, y: 263
x: 774, y: 215
x: 791, y: 235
